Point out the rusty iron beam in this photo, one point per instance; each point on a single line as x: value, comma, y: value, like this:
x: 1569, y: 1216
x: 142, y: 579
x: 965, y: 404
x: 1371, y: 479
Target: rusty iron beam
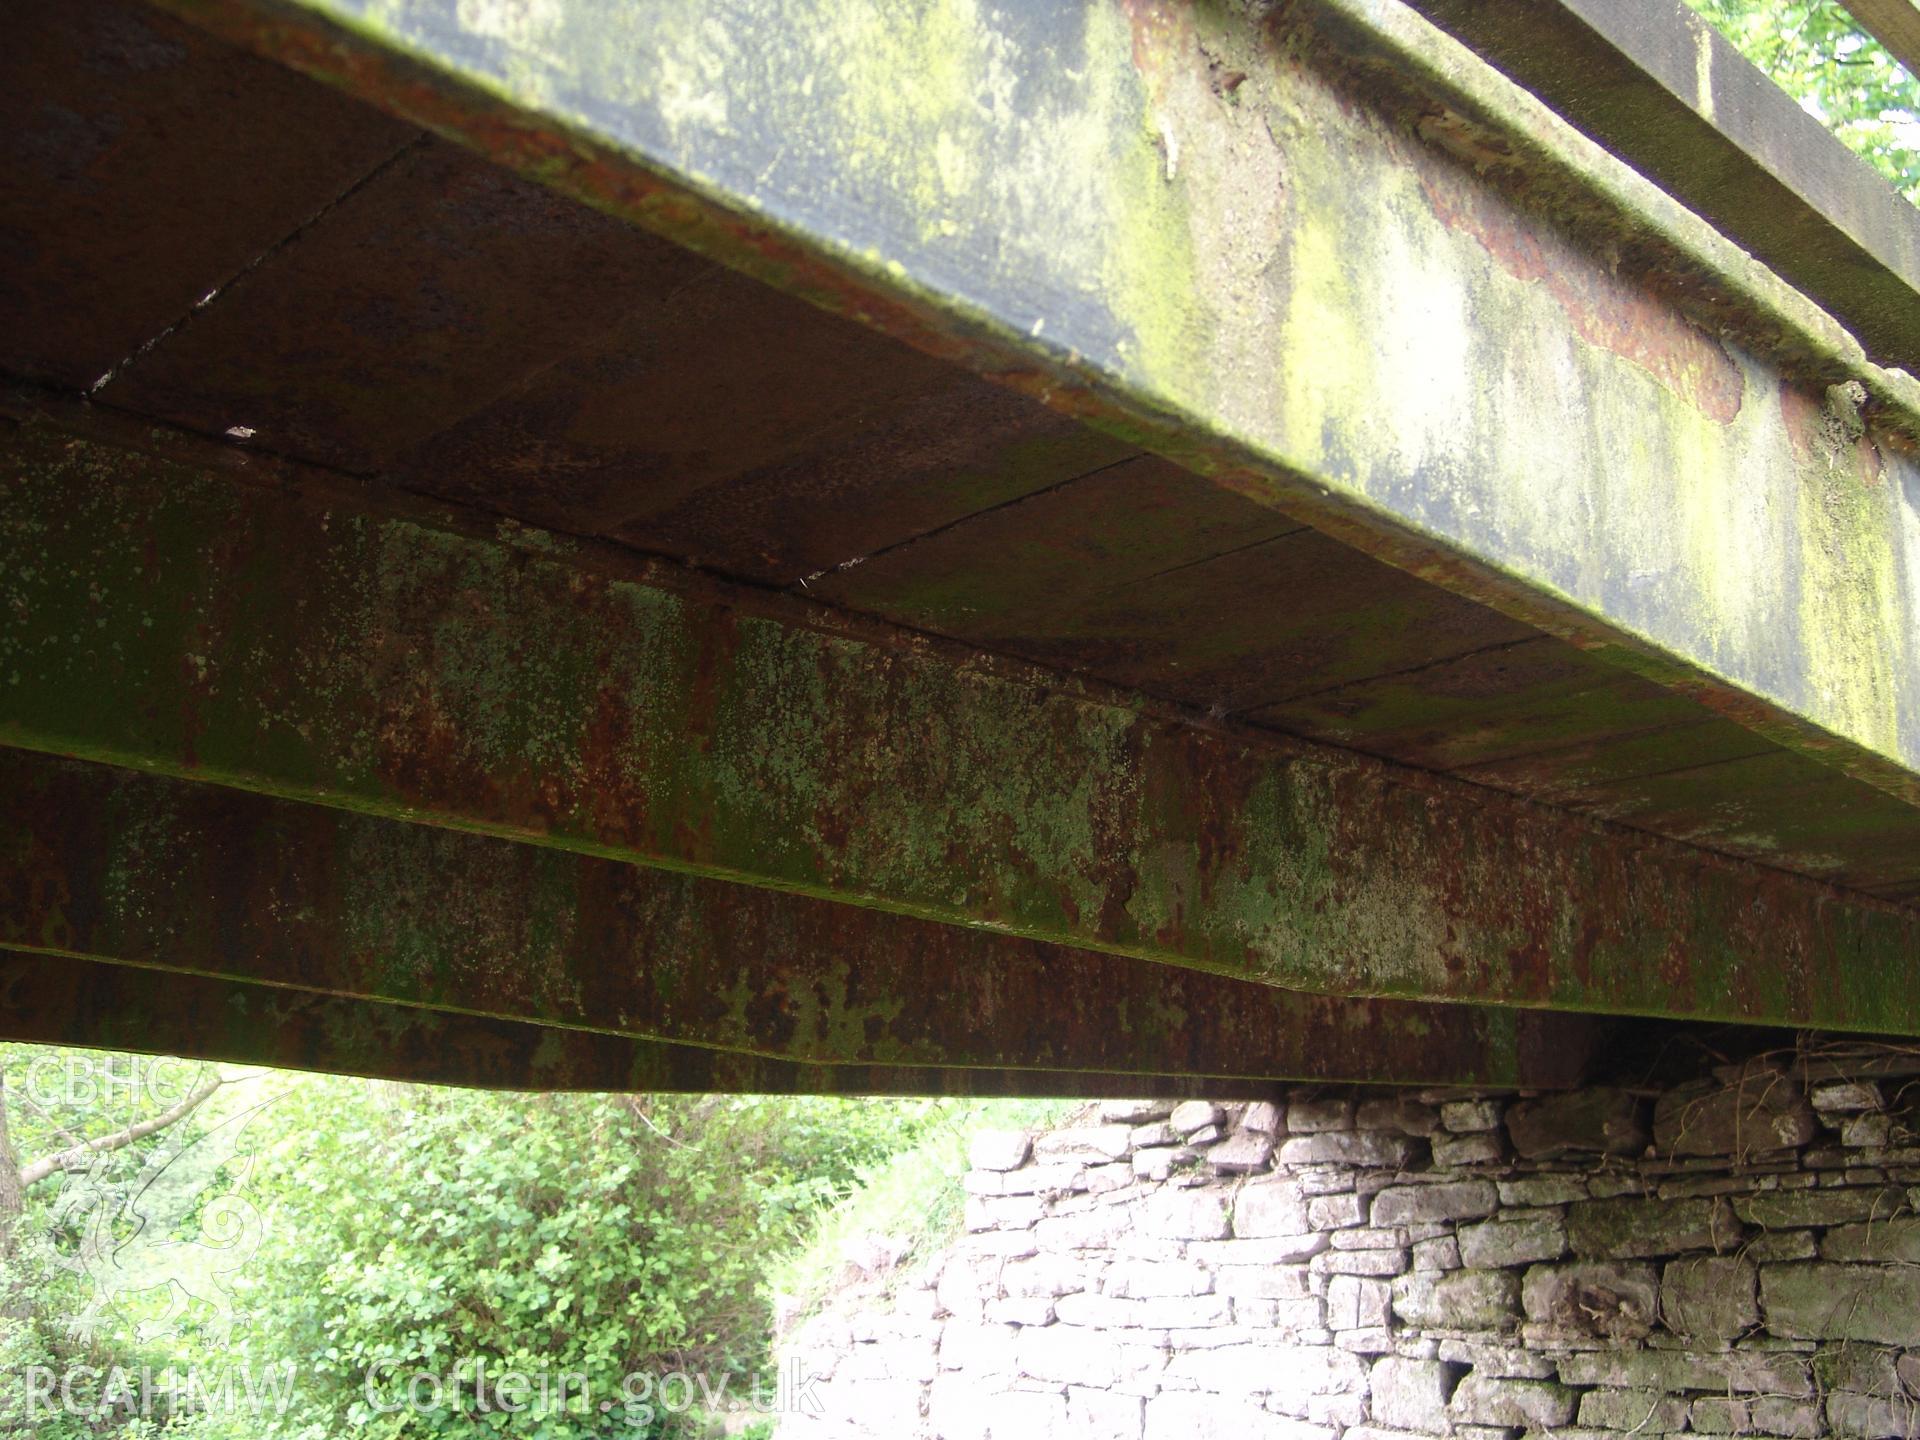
x: 111, y: 865
x: 54, y: 1000
x: 402, y: 663
x: 1322, y: 253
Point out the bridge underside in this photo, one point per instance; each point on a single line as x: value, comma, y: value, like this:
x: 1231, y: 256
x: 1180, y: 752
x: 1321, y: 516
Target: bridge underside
x: 1107, y: 549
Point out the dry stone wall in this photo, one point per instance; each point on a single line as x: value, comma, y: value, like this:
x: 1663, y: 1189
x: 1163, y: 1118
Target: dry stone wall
x: 1736, y: 1256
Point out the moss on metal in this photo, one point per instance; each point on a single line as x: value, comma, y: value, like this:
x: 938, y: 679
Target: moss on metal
x: 169, y: 620
x: 106, y: 865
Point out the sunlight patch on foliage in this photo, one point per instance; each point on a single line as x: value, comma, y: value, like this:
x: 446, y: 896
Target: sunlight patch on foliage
x: 1840, y: 75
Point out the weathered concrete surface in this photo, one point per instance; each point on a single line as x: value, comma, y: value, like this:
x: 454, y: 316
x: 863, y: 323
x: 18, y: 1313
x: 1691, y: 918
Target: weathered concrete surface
x: 1657, y: 85
x: 1312, y: 257
x: 169, y: 619
x: 115, y: 866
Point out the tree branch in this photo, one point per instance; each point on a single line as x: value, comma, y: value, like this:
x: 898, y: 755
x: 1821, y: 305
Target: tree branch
x: 78, y: 1156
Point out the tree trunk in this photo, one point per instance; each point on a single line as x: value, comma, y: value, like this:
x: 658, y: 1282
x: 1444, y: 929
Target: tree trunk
x: 13, y: 1193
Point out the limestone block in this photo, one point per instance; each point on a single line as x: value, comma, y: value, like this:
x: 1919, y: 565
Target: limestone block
x: 1092, y: 1229
x: 1457, y: 1299
x: 1006, y: 1244
x: 1022, y: 1415
x: 1310, y: 1115
x: 1263, y: 1208
x: 1104, y: 1415
x: 1243, y: 1368
x: 1384, y: 1263
x: 1709, y: 1297
x: 1764, y: 1109
x: 1872, y: 1417
x: 1143, y: 1360
x: 979, y: 1349
x: 1600, y: 1121
x: 1262, y: 1117
x: 1107, y: 1312
x: 1644, y: 1412
x: 1084, y: 1142
x: 1207, y: 1417
x: 1866, y: 1369
x: 1608, y: 1301
x: 1542, y: 1190
x: 1342, y: 1412
x: 1879, y: 1304
x: 999, y: 1149
x: 1156, y: 1163
x: 885, y: 1407
x: 1241, y: 1153
x: 1503, y: 1360
x: 1773, y: 1246
x: 1271, y: 1250
x: 1633, y: 1226
x: 1356, y: 1302
x: 1467, y: 1116
x: 1792, y: 1209
x: 1149, y: 1279
x: 1858, y: 1131
x: 1845, y: 1096
x: 1512, y: 1242
x: 1400, y: 1114
x: 1158, y: 1132
x: 1191, y: 1115
x: 1717, y: 1415
x: 1454, y: 1151
x: 1068, y: 1354
x: 904, y: 1359
x: 1335, y: 1212
x: 1368, y: 1340
x: 1347, y: 1147
x: 1412, y: 1394
x: 1760, y: 1372
x: 1365, y: 1237
x: 1440, y: 1253
x: 1487, y: 1400
x: 1263, y: 1282
x: 1186, y: 1215
x: 1134, y: 1112
x: 1416, y: 1204
x: 1295, y: 1316
x: 1043, y: 1275
x: 1003, y: 1212
x: 1774, y: 1415
x: 1059, y: 1178
x: 1035, y: 1310
x: 954, y: 1409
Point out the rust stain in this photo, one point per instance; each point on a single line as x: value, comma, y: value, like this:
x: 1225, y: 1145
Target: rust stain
x: 1813, y: 434
x: 1603, y: 309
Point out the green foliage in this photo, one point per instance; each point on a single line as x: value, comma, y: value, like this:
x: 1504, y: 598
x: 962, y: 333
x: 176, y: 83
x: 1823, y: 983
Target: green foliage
x: 588, y: 1239
x: 913, y: 1197
x: 1839, y: 74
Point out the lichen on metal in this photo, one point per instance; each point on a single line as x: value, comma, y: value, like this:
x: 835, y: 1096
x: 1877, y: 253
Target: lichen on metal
x: 388, y: 661
x: 65, y: 1001
x: 1322, y: 253
x: 111, y: 866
